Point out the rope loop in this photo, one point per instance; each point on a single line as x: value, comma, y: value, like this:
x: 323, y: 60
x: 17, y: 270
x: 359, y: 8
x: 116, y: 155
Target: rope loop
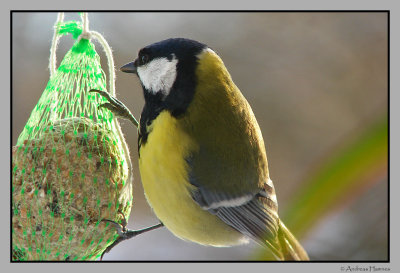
x: 84, y: 33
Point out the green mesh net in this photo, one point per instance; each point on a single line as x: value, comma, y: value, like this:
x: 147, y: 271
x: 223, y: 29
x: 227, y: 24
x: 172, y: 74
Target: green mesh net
x: 69, y: 168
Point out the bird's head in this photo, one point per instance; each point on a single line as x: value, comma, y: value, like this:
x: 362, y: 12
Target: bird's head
x: 169, y: 71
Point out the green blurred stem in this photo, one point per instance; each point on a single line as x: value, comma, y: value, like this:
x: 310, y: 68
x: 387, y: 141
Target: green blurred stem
x: 348, y: 171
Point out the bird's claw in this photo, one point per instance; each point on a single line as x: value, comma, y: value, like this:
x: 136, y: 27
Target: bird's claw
x: 124, y: 233
x: 115, y: 106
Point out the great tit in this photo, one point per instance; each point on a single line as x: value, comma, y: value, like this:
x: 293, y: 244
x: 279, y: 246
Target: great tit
x: 202, y: 157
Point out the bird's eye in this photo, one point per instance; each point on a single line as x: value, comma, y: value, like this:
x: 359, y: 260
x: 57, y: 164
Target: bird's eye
x: 144, y: 58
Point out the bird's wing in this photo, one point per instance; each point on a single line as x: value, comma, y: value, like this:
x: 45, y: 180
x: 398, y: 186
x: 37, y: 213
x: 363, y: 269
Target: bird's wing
x: 254, y: 220
x: 252, y: 213
x: 228, y: 168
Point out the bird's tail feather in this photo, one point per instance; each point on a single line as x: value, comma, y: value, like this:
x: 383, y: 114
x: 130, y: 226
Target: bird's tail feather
x: 290, y: 247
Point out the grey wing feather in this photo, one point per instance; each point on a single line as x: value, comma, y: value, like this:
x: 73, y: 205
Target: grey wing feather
x: 252, y: 212
x: 254, y: 215
x: 251, y: 219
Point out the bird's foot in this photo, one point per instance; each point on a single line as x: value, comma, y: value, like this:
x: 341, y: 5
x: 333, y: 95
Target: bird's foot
x: 115, y: 106
x: 124, y: 233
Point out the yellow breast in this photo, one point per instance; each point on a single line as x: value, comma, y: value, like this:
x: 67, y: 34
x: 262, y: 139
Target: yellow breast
x: 164, y: 174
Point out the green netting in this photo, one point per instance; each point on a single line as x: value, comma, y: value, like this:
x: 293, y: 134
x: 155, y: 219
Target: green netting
x: 69, y: 169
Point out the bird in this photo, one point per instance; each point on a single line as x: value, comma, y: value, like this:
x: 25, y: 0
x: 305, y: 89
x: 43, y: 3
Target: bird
x: 202, y: 157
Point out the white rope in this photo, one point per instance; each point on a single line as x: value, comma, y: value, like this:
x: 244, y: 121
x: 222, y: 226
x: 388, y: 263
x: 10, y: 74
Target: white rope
x: 85, y: 27
x: 87, y: 34
x: 56, y: 38
x: 53, y: 62
x: 110, y: 60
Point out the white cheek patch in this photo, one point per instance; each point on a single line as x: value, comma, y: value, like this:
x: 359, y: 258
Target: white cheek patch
x: 158, y: 75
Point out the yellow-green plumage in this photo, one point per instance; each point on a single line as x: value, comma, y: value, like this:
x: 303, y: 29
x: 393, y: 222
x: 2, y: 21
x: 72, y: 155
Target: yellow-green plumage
x: 164, y: 170
x: 222, y: 121
x: 165, y: 181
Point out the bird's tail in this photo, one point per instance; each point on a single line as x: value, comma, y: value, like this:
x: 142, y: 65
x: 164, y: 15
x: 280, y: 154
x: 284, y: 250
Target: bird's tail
x: 290, y: 247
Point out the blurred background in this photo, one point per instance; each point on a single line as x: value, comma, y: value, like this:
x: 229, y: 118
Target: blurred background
x: 317, y: 83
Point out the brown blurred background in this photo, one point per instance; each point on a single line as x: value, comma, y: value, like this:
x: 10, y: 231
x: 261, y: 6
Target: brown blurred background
x: 312, y: 79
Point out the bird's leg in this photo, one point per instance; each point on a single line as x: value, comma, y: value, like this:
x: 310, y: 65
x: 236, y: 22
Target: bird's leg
x: 115, y: 106
x: 124, y: 233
